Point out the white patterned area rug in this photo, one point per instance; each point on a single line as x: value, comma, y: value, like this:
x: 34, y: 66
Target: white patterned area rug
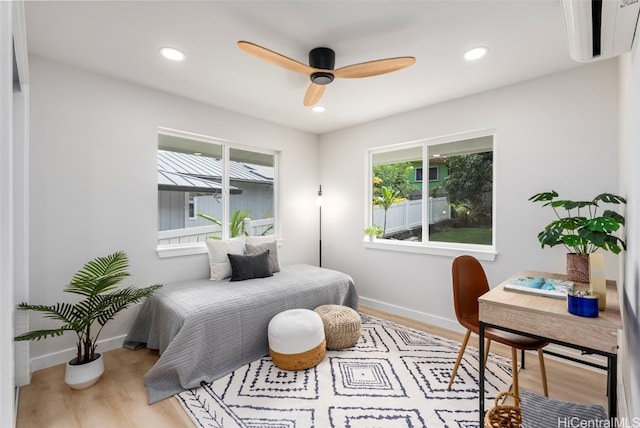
x: 394, y: 377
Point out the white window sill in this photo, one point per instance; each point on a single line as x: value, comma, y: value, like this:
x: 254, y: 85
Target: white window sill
x: 483, y: 253
x: 165, y: 251
x: 178, y: 250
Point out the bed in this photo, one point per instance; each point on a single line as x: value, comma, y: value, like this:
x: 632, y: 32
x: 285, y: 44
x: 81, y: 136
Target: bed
x: 205, y: 329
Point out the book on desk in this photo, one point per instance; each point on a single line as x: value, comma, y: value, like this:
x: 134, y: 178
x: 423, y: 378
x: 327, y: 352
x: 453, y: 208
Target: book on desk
x: 541, y: 286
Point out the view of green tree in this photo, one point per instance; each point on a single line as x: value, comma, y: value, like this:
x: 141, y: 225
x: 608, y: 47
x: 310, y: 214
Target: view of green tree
x: 470, y: 176
x: 394, y: 176
x: 384, y: 200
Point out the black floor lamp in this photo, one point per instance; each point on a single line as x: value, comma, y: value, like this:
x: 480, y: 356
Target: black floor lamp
x: 319, y: 203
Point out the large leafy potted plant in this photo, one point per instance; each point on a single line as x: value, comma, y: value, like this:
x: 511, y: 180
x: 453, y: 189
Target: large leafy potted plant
x: 97, y: 282
x: 582, y: 229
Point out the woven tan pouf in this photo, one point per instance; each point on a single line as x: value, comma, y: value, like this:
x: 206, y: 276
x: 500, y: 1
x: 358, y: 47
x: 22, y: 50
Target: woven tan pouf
x: 341, y: 325
x: 296, y: 339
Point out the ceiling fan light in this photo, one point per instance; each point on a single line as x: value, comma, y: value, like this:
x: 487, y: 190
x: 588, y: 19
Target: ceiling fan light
x: 318, y: 109
x: 321, y: 78
x: 173, y: 54
x: 476, y: 53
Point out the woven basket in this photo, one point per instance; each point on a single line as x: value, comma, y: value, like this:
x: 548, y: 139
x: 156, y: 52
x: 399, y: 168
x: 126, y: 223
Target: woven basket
x: 341, y: 325
x: 504, y: 415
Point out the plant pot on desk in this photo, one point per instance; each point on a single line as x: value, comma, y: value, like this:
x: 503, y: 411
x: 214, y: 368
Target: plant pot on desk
x: 578, y: 267
x: 584, y: 305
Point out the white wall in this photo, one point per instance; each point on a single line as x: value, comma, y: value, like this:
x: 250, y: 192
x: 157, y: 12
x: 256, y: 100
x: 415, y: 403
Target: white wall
x: 630, y: 185
x: 557, y: 132
x: 93, y: 185
x: 6, y: 218
x: 14, y: 143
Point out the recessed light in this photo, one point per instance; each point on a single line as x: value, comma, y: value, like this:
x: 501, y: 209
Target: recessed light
x: 318, y: 109
x: 475, y: 53
x: 173, y: 54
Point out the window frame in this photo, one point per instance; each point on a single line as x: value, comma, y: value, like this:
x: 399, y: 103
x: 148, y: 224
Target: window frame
x: 446, y: 249
x: 176, y: 250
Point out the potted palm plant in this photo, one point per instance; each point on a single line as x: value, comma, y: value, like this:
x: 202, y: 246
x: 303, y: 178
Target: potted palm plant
x: 582, y: 229
x: 97, y: 282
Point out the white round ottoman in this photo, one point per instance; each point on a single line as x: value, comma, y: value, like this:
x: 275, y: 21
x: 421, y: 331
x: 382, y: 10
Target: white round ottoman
x: 342, y: 325
x: 296, y: 339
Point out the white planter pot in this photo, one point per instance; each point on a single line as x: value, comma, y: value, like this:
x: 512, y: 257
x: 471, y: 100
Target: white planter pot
x: 84, y: 375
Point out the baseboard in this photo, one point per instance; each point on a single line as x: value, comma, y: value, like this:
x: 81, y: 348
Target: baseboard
x: 412, y: 314
x: 62, y: 357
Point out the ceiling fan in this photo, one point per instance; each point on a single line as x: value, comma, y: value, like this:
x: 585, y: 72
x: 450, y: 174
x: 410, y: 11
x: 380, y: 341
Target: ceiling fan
x: 320, y: 69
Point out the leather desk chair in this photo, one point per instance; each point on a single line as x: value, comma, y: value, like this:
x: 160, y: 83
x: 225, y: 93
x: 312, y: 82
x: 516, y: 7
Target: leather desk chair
x: 469, y: 283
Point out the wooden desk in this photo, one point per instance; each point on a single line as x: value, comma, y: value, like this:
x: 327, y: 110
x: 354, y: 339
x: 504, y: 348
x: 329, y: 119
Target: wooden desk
x: 547, y: 318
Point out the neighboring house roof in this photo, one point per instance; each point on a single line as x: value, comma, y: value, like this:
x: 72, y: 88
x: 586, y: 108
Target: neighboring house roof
x: 187, y: 183
x: 189, y: 173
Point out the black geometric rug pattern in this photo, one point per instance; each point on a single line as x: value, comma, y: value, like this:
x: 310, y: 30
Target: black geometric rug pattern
x: 394, y: 377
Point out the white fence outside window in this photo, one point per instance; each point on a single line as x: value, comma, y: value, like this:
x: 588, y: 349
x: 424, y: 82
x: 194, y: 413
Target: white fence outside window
x: 192, y: 235
x: 408, y: 214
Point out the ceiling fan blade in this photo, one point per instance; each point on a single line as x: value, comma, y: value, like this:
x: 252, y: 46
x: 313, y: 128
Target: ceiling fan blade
x: 313, y: 95
x: 275, y: 58
x: 374, y: 68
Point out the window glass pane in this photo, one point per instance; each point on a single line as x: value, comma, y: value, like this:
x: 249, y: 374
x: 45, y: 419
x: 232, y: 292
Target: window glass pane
x: 190, y: 203
x: 397, y: 196
x: 461, y: 198
x: 251, y: 201
x: 194, y: 173
x: 458, y: 192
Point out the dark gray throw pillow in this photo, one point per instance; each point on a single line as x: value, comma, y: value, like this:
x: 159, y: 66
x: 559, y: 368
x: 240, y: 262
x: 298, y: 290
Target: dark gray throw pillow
x: 542, y: 412
x: 249, y: 266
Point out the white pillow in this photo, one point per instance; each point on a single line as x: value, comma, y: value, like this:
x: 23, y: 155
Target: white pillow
x: 272, y: 246
x: 218, y: 260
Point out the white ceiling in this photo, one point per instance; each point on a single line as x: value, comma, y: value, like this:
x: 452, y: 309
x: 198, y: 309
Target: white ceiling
x: 526, y: 39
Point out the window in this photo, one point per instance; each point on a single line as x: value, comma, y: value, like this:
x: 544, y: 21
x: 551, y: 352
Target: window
x: 433, y: 173
x: 191, y: 204
x: 453, y: 210
x: 418, y: 174
x: 212, y: 189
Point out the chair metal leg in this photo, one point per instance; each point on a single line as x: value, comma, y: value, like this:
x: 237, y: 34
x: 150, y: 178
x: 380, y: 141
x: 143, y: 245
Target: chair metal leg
x: 486, y: 352
x: 462, y: 348
x: 543, y: 373
x: 514, y: 368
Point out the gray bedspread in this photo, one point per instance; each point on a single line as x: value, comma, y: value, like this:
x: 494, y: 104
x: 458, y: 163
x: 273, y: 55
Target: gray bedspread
x: 205, y: 329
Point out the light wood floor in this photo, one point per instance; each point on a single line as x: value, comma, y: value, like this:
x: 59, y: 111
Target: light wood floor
x: 119, y: 398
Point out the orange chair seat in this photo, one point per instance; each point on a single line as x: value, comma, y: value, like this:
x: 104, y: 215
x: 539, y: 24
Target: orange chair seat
x: 510, y: 339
